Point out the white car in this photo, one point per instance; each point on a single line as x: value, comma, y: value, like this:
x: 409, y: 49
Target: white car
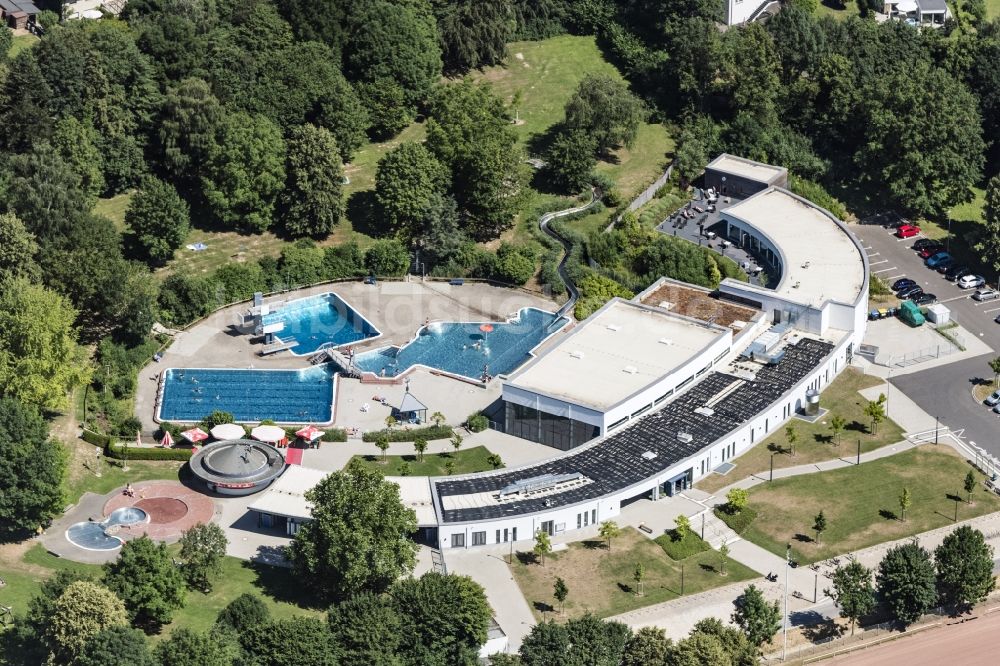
x: 993, y: 398
x: 986, y: 295
x: 971, y: 281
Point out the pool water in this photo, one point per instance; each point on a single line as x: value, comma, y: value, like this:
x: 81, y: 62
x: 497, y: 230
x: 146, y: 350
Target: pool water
x: 285, y: 396
x: 320, y: 322
x: 464, y: 349
x: 95, y: 536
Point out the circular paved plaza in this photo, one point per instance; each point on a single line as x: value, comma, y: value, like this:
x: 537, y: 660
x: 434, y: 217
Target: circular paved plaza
x: 172, y: 508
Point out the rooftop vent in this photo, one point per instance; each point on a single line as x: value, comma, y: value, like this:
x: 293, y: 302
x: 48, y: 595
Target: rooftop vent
x: 649, y: 455
x: 796, y: 285
x: 704, y: 411
x: 576, y: 353
x: 684, y: 437
x: 805, y: 265
x: 631, y: 369
x: 666, y: 305
x: 666, y: 341
x: 614, y: 327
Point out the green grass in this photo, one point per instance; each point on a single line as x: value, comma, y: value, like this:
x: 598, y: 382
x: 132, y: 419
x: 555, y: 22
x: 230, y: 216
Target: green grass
x: 993, y: 9
x: 113, y: 477
x: 433, y: 464
x: 600, y: 580
x: 815, y: 440
x: 832, y: 8
x: 972, y: 211
x: 114, y: 208
x: 21, y: 42
x: 681, y: 549
x: 363, y: 167
x: 861, y: 503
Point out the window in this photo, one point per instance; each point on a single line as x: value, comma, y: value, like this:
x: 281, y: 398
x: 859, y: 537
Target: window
x: 579, y: 521
x: 513, y: 533
x: 458, y: 540
x: 479, y: 538
x: 593, y: 516
x: 498, y: 537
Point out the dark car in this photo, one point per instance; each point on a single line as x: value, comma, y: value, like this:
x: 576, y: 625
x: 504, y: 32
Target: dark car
x: 944, y: 265
x: 903, y: 283
x: 923, y: 299
x: 924, y: 242
x: 930, y: 250
x: 909, y: 292
x: 956, y: 272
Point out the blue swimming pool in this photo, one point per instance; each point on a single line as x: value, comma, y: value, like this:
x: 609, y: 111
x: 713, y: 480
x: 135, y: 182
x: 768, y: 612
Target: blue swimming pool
x: 285, y: 396
x: 464, y: 349
x: 100, y: 536
x: 320, y: 321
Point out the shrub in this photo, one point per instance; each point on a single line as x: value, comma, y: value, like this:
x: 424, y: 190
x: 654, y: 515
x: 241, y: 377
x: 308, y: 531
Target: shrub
x: 95, y: 438
x: 678, y: 548
x: 402, y: 435
x: 737, y: 521
x: 117, y: 451
x: 478, y: 422
x: 334, y: 435
x: 814, y: 192
x: 218, y: 417
x: 128, y: 426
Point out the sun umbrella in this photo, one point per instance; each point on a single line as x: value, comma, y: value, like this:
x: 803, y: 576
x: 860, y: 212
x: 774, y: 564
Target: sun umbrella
x: 228, y: 431
x: 194, y: 435
x: 309, y: 433
x: 167, y: 440
x: 486, y: 328
x: 268, y: 433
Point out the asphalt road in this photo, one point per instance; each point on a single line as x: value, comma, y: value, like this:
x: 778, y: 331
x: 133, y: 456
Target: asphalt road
x: 968, y: 643
x: 891, y: 258
x: 946, y: 391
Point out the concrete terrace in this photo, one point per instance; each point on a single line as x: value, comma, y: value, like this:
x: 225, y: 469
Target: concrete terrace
x: 397, y: 309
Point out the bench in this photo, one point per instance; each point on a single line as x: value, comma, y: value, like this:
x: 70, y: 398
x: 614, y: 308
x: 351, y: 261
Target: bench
x: 645, y: 529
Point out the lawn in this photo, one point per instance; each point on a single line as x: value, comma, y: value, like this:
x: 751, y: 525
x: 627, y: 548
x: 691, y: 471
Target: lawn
x: 836, y: 10
x: 433, y: 464
x: 113, y: 477
x: 861, y: 503
x: 815, y: 440
x: 114, y: 208
x: 21, y: 42
x: 600, y: 580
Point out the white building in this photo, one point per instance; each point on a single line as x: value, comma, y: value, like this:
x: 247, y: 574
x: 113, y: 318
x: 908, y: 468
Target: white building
x: 739, y: 12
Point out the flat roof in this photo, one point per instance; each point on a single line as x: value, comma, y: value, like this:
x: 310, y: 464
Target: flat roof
x: 821, y: 259
x: 614, y: 353
x: 739, y: 166
x: 415, y: 493
x: 697, y: 303
x: 287, y: 495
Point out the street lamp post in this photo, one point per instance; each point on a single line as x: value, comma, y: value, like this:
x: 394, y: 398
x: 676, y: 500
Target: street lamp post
x: 784, y: 620
x: 771, y: 478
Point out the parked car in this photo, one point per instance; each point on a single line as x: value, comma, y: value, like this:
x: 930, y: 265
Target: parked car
x: 907, y: 231
x: 986, y: 295
x: 924, y: 242
x: 944, y: 265
x: 971, y: 281
x: 930, y: 250
x: 997, y: 319
x: 935, y: 259
x: 997, y: 409
x: 923, y: 298
x: 993, y: 398
x: 957, y: 271
x: 909, y: 292
x: 903, y: 283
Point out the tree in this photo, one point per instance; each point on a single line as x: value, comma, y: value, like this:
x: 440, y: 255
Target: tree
x: 269, y: 645
x: 964, y: 568
x: 819, y: 525
x: 723, y: 556
x: 24, y: 102
x: 473, y: 34
x: 637, y: 575
x: 995, y: 367
x: 906, y: 582
x: 700, y: 650
x: 342, y: 112
x: 737, y: 499
x: 875, y: 410
x: 359, y: 537
x: 456, y: 442
x: 387, y: 257
x: 438, y: 418
x: 543, y: 545
x: 736, y: 647
x: 75, y: 142
x: 312, y: 201
x: 445, y: 618
x: 31, y: 471
x: 560, y: 592
x: 40, y: 360
x: 116, y: 646
x: 682, y: 526
x: 382, y: 444
x: 989, y: 243
x: 84, y: 610
x: 853, y: 591
x: 420, y: 445
x: 570, y: 161
x: 408, y: 179
x: 645, y: 647
x: 189, y: 128
x: 158, y: 218
x: 970, y: 484
x: 449, y: 467
x: 583, y: 640
x: 904, y: 503
x: 758, y: 619
x: 243, y: 612
x: 837, y: 424
x: 385, y: 104
x: 145, y: 578
x: 609, y: 530
x: 245, y: 172
x: 495, y: 461
x: 202, y: 549
x: 792, y: 435
x: 189, y: 648
x: 367, y: 629
x: 17, y: 249
x: 603, y: 107
x: 390, y: 422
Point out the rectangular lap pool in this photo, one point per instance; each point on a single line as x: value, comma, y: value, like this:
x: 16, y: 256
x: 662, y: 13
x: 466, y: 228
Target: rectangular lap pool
x: 319, y: 322
x: 285, y: 396
x: 466, y: 349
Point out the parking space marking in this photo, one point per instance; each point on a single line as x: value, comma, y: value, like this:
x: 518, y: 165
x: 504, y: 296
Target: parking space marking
x: 882, y: 270
x: 896, y: 277
x: 954, y: 298
x: 990, y: 310
x: 876, y: 263
x: 873, y: 254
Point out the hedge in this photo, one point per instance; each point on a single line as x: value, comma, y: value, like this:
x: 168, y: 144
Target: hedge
x: 117, y: 452
x: 334, y: 435
x: 428, y: 433
x: 737, y: 522
x: 95, y: 438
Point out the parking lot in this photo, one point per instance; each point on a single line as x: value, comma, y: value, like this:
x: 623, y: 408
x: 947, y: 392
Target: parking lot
x: 943, y: 390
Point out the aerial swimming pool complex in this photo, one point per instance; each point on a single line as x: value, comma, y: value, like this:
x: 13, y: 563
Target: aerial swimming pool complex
x: 285, y: 396
x: 320, y: 322
x: 466, y: 349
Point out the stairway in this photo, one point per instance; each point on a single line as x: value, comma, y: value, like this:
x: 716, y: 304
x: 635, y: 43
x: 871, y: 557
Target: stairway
x: 716, y: 531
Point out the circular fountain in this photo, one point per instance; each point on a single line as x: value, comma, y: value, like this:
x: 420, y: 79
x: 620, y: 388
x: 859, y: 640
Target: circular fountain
x: 103, y: 535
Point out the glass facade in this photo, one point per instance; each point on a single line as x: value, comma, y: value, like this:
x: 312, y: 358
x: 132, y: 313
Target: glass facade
x: 550, y: 429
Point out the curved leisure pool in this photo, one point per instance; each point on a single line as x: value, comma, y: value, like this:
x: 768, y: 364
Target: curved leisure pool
x: 464, y: 349
x: 100, y: 536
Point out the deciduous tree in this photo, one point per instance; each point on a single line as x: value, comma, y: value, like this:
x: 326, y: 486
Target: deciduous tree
x: 605, y: 109
x: 560, y: 591
x: 367, y: 628
x: 853, y: 591
x: 445, y: 618
x: 190, y: 648
x: 759, y: 619
x: 570, y: 160
x: 969, y: 484
x: 82, y: 611
x: 646, y: 647
x: 543, y: 545
x: 387, y: 257
x: 875, y: 410
x: 116, y: 646
x: 964, y: 568
x: 609, y: 530
x: 837, y: 425
x: 189, y: 128
x: 312, y: 201
x: 906, y: 582
x: 407, y: 182
x: 158, y: 218
x: 202, y: 549
x: 904, y: 503
x: 473, y: 33
x: 819, y: 525
x: 145, y: 578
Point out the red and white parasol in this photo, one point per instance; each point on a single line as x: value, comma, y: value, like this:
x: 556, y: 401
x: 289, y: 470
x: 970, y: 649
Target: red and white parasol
x: 309, y: 433
x: 194, y: 435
